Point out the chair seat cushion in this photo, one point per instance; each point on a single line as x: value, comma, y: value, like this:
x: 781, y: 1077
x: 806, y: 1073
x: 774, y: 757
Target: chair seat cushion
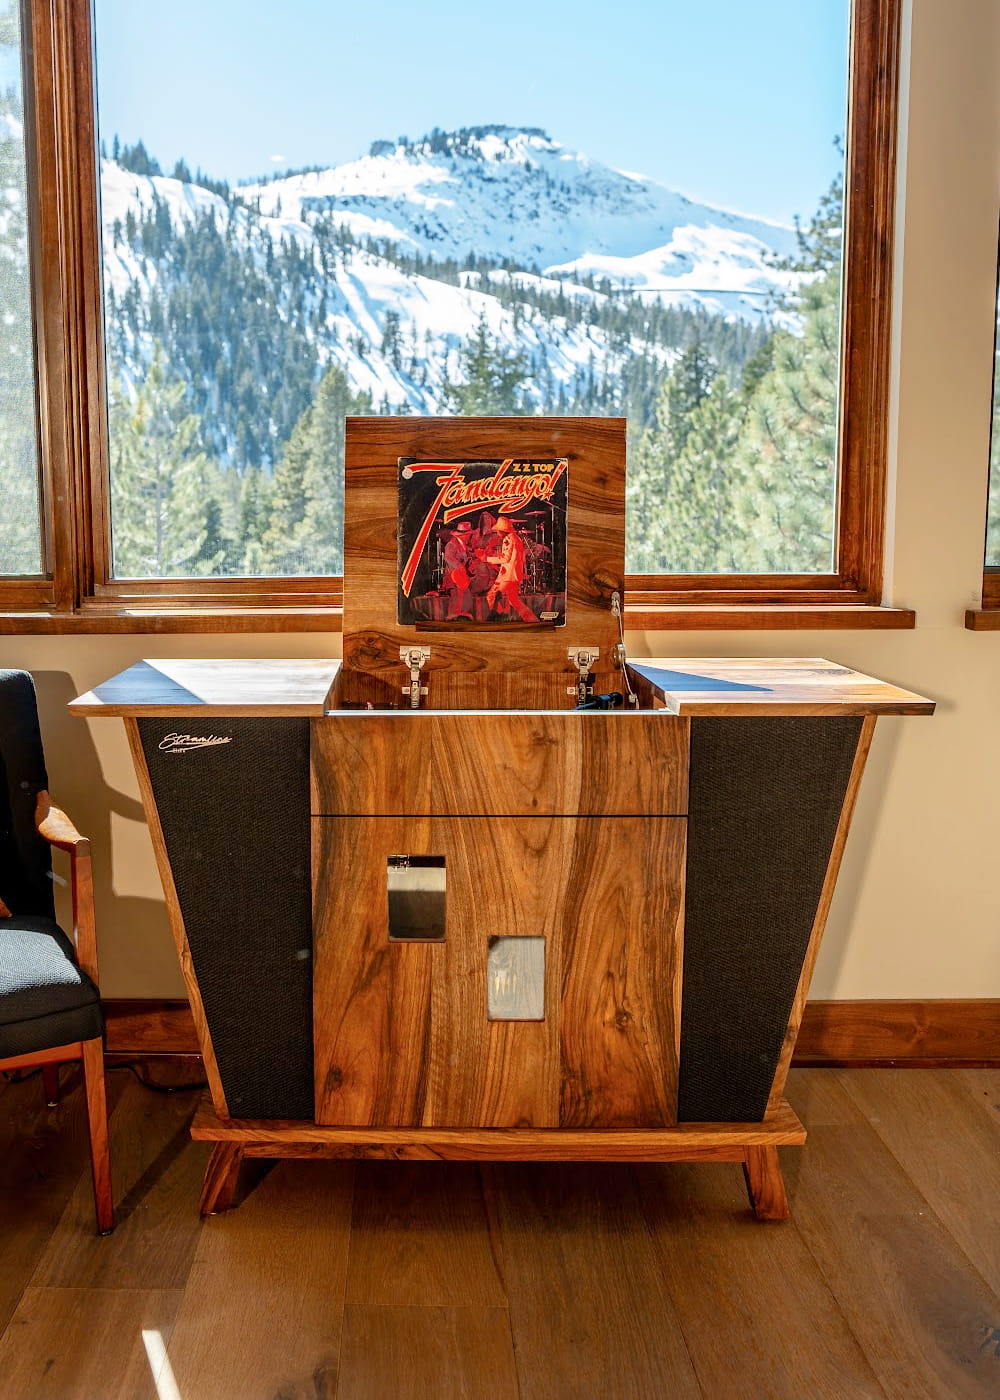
x: 45, y: 999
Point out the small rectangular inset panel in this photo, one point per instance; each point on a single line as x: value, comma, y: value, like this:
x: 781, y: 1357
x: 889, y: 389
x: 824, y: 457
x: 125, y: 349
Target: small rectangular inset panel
x: 515, y: 979
x: 416, y: 887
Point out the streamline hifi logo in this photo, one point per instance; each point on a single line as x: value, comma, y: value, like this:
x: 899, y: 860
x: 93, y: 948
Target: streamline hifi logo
x: 188, y: 743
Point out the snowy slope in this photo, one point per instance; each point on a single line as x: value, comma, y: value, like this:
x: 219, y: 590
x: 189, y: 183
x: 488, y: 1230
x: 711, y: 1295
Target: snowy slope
x: 516, y: 195
x: 574, y: 236
x: 359, y: 294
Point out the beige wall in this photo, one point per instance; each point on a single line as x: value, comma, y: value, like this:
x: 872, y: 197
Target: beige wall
x: 917, y: 912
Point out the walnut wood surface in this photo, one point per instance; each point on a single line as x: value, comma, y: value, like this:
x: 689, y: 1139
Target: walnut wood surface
x: 621, y: 974
x: 767, y: 686
x: 261, y: 1317
x: 157, y: 1172
x: 765, y: 1183
x: 924, y: 1313
x: 595, y: 539
x: 206, y: 688
x: 884, y: 1284
x: 935, y: 1032
x: 760, y: 1290
x: 402, y: 1035
x: 425, y: 763
x: 685, y: 1142
x: 465, y: 690
x: 97, y: 1125
x: 371, y: 998
x: 426, y: 1352
x: 583, y: 1278
x: 929, y: 1032
x: 58, y: 1055
x: 221, y: 1176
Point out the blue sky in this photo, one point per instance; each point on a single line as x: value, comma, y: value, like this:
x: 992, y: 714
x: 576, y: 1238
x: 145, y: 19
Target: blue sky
x: 733, y: 102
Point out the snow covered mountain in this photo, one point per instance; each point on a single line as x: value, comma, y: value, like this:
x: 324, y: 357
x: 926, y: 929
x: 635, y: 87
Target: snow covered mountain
x: 391, y: 265
x: 517, y: 196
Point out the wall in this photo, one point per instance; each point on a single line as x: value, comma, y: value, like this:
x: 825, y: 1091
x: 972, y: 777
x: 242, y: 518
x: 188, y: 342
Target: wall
x: 917, y: 911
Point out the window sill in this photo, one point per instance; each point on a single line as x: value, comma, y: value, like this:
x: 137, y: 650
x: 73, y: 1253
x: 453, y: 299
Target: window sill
x: 983, y: 619
x: 734, y: 617
x: 760, y: 617
x: 171, y: 620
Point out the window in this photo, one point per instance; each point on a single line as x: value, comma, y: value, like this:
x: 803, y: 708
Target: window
x: 21, y: 538
x: 218, y: 325
x: 987, y: 618
x: 991, y: 581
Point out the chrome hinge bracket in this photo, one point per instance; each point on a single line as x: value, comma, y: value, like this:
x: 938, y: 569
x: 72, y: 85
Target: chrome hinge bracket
x: 583, y: 659
x: 414, y: 659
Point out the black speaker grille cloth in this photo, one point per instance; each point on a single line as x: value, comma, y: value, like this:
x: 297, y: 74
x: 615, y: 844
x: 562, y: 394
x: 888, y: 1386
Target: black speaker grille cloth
x: 235, y: 821
x: 766, y: 796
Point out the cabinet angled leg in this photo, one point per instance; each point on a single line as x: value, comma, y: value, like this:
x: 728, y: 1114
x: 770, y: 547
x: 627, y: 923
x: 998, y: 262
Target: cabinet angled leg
x: 221, y: 1176
x: 765, y: 1183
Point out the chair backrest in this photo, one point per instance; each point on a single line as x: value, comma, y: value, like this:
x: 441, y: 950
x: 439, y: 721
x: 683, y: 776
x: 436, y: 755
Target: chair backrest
x: 25, y: 863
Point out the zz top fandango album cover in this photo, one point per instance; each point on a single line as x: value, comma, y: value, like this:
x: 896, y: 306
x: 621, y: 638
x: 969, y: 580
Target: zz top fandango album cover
x: 482, y: 544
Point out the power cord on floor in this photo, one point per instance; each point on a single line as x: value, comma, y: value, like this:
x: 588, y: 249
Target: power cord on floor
x: 13, y: 1076
x: 133, y: 1066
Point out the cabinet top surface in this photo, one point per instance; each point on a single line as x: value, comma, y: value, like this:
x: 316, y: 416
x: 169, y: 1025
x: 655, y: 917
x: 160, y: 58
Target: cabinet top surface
x: 247, y: 687
x: 683, y: 686
x: 752, y: 685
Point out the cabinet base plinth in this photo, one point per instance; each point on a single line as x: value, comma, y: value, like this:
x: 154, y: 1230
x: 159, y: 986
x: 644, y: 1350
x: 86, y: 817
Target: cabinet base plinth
x: 752, y: 1144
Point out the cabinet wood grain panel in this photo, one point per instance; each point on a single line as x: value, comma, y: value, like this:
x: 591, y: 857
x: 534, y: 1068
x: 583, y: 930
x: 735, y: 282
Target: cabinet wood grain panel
x: 620, y: 1002
x: 403, y: 1035
x: 595, y: 532
x: 498, y: 1074
x: 509, y: 764
x: 371, y: 998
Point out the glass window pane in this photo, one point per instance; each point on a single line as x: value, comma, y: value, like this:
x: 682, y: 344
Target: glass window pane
x: 993, y: 517
x: 20, y: 534
x: 325, y: 265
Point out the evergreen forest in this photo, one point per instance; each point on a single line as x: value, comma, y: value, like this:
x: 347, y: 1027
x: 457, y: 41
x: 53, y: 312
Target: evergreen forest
x: 227, y: 392
x: 227, y: 449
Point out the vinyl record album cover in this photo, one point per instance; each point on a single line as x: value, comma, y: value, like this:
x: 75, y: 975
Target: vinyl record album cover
x: 482, y: 544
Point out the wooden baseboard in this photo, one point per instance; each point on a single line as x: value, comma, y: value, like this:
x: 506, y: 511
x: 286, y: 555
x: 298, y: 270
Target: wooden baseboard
x: 149, y: 1027
x: 932, y: 1033
x: 914, y: 1033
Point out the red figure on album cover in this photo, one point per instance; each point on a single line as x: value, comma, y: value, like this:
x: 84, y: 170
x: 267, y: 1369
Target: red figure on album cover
x: 482, y: 544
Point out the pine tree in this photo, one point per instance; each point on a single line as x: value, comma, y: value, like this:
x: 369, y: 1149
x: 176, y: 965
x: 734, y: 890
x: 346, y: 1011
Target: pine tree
x: 697, y: 531
x: 786, y: 458
x: 161, y: 482
x: 306, y: 530
x: 253, y: 518
x: 650, y: 481
x: 20, y: 551
x: 493, y: 377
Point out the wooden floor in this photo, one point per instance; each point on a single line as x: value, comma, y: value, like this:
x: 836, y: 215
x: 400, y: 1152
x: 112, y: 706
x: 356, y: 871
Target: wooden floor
x: 446, y: 1280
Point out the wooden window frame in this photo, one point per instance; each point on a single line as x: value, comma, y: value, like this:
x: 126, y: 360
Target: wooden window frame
x: 81, y: 595
x: 986, y: 618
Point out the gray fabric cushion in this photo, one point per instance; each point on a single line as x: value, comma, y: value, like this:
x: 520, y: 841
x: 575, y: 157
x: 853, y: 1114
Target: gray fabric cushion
x: 45, y: 1000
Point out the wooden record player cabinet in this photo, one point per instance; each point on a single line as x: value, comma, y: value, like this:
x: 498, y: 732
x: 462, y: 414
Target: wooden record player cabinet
x: 672, y: 865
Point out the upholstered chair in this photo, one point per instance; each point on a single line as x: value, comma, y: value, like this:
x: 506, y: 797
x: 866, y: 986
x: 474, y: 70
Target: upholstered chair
x: 50, y: 1006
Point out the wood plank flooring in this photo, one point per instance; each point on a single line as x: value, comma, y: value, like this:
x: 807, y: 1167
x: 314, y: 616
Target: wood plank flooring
x: 383, y: 1279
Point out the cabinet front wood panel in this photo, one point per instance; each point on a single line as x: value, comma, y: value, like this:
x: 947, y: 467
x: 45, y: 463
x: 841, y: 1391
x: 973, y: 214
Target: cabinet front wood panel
x: 403, y: 1033
x: 439, y: 764
x: 620, y: 1003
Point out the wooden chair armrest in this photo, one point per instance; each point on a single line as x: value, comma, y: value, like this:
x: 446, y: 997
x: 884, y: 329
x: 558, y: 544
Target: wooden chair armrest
x: 54, y: 826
